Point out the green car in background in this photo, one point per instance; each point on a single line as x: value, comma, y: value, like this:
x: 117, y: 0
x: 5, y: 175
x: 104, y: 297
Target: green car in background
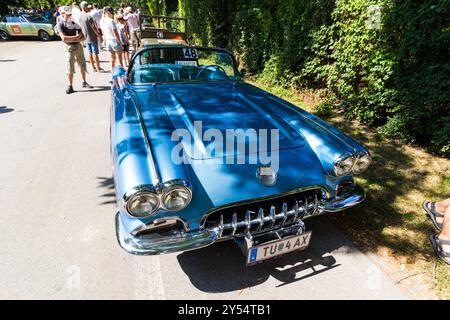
x: 26, y: 25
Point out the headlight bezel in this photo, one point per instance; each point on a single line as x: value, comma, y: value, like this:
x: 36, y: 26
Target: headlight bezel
x: 159, y: 192
x: 141, y: 194
x: 359, y: 157
x: 173, y: 188
x: 340, y: 161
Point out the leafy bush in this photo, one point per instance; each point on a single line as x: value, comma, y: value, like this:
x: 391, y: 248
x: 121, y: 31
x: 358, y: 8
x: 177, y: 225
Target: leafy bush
x: 386, y: 61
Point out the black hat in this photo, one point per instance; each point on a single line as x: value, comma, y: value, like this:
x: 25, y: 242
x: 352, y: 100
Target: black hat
x: 108, y: 9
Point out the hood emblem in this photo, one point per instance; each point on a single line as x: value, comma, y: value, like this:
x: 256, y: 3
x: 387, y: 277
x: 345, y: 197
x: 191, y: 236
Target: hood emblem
x: 267, y: 176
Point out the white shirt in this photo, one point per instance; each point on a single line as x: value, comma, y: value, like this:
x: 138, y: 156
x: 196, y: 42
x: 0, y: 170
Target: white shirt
x: 108, y: 26
x: 132, y: 20
x: 76, y: 14
x: 97, y: 16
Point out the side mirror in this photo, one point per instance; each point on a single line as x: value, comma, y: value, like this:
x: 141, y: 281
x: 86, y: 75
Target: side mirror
x: 243, y: 73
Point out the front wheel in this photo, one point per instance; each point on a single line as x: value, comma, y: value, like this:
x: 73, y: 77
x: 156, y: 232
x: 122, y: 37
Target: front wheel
x: 4, y: 35
x: 44, y: 36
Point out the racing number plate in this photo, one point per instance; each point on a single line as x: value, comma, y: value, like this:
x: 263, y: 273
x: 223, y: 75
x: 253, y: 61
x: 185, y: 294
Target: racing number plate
x: 278, y: 247
x: 16, y: 29
x: 190, y: 53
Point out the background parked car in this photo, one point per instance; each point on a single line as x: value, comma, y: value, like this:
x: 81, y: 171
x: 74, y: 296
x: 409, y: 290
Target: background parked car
x: 26, y: 25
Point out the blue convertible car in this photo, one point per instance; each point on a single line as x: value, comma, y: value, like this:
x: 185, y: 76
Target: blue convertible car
x: 200, y: 156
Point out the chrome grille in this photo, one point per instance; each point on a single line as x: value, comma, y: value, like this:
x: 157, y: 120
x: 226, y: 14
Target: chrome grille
x: 264, y: 215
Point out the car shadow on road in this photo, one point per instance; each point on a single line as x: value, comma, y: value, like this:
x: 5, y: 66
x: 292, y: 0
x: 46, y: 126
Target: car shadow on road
x: 7, y: 60
x: 221, y: 267
x: 5, y: 109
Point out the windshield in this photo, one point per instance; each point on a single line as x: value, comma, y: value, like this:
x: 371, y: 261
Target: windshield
x: 177, y: 64
x: 37, y: 19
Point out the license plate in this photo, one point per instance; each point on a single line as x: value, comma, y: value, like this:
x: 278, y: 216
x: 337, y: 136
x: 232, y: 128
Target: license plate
x: 187, y: 63
x: 278, y: 247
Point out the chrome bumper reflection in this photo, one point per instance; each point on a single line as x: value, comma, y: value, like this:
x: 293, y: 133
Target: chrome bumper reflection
x: 152, y: 244
x: 348, y: 197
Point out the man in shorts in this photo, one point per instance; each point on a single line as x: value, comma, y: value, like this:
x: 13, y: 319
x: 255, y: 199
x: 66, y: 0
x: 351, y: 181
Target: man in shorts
x: 97, y: 15
x: 133, y: 26
x: 71, y: 35
x: 92, y: 35
x: 112, y: 39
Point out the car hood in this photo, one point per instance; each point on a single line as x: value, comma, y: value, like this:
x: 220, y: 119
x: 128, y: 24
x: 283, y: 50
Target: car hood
x: 224, y: 107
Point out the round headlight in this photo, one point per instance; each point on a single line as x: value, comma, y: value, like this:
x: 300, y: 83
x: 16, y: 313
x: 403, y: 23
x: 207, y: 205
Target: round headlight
x: 143, y: 204
x: 177, y: 198
x: 343, y: 166
x: 362, y: 163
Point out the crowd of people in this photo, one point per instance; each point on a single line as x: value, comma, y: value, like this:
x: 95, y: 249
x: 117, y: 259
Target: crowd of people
x: 87, y: 26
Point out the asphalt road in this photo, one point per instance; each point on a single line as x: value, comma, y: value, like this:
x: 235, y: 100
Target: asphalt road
x: 57, y: 210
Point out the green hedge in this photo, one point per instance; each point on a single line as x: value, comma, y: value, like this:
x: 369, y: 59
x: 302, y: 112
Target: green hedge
x: 386, y: 62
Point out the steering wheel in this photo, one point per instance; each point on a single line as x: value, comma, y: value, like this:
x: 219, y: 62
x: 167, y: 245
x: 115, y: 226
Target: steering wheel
x: 211, y: 66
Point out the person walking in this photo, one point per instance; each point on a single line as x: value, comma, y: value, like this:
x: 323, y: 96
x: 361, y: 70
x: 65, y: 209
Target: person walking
x: 133, y: 25
x: 72, y: 35
x: 439, y: 212
x: 92, y: 36
x: 112, y: 39
x: 122, y: 28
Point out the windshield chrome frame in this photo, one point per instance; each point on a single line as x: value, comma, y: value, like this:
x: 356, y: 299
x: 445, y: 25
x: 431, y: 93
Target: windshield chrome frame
x: 141, y: 51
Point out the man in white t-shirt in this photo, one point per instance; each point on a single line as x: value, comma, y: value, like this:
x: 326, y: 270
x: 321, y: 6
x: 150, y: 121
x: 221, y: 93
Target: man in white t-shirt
x: 97, y: 15
x: 112, y: 39
x: 76, y: 12
x: 133, y: 25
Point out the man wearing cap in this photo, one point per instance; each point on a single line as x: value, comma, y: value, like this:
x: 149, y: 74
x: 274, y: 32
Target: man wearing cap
x: 133, y: 25
x: 71, y: 35
x: 91, y: 34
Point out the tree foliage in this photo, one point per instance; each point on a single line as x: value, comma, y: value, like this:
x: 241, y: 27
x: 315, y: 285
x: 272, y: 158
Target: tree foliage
x: 387, y: 62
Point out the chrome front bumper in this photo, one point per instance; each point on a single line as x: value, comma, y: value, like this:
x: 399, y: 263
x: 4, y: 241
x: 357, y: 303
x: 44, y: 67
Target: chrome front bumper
x: 153, y: 244
x: 348, y: 197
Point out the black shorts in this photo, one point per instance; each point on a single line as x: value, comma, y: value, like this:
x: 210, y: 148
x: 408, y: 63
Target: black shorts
x: 125, y: 47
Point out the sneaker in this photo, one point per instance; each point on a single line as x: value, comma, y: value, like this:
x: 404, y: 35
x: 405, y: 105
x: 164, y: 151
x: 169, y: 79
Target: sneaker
x: 87, y: 85
x: 101, y: 70
x: 69, y: 90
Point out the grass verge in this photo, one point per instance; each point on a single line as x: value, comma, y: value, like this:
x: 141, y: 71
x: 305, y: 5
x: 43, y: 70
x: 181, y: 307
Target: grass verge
x: 391, y: 221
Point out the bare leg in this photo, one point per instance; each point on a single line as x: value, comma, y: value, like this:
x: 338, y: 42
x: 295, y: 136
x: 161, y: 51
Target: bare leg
x: 83, y: 74
x: 70, y: 78
x: 119, y: 55
x: 97, y: 61
x: 113, y: 59
x: 127, y: 55
x: 443, y: 205
x: 91, y: 60
x: 445, y: 233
